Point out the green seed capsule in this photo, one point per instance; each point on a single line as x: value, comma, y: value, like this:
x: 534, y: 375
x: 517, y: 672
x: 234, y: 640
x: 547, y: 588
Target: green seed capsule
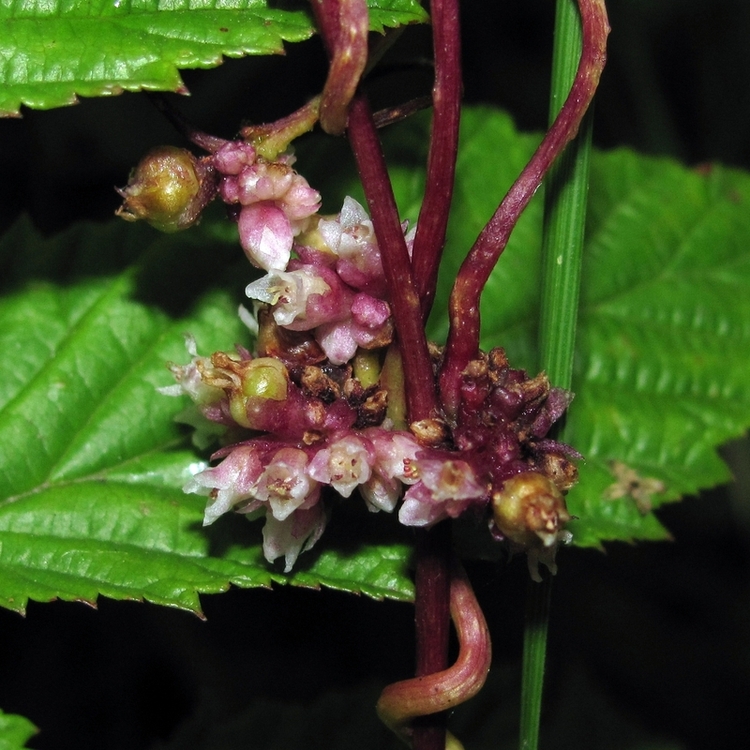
x: 165, y: 190
x: 529, y: 508
x: 262, y: 380
x: 265, y: 378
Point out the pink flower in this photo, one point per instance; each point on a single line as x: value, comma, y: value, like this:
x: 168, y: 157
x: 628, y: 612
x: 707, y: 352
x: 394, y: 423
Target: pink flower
x: 304, y: 297
x: 337, y: 342
x: 300, y: 201
x: 287, y: 292
x: 446, y: 488
x: 233, y: 157
x: 276, y: 202
x: 368, y: 322
x: 266, y: 235
x: 395, y: 461
x: 351, y: 237
x: 264, y: 181
x: 228, y: 484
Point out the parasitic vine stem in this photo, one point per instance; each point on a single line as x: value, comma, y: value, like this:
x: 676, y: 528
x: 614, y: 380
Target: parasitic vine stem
x: 463, y: 336
x: 344, y: 25
x: 272, y: 139
x: 432, y: 622
x: 402, y: 702
x: 421, y: 397
x: 332, y: 16
x: 441, y: 162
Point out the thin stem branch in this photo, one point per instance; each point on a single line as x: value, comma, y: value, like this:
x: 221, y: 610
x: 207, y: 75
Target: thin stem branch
x: 421, y: 398
x: 565, y: 198
x: 273, y: 138
x: 441, y: 163
x: 463, y: 336
x: 384, y: 117
x: 183, y: 126
x: 534, y: 652
x: 344, y: 25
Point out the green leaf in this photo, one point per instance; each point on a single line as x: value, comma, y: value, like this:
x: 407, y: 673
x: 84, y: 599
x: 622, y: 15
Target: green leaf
x: 395, y: 13
x: 664, y: 351
x: 15, y: 731
x: 93, y: 461
x: 54, y: 51
x: 664, y: 346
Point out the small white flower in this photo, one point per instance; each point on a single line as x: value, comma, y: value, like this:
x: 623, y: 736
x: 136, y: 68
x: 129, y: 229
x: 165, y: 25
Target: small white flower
x: 293, y: 535
x: 284, y: 484
x: 190, y: 378
x: 344, y: 464
x: 228, y: 484
x: 287, y: 292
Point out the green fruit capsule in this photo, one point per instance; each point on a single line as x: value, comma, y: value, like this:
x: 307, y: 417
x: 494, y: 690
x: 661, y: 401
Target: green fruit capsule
x: 263, y: 379
x: 267, y: 378
x: 530, y: 509
x: 165, y: 189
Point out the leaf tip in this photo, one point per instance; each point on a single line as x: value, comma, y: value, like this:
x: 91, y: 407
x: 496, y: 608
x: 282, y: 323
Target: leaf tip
x: 11, y: 604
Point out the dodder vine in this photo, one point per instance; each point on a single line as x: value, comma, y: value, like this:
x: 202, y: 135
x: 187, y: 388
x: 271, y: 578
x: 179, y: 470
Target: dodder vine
x: 343, y: 392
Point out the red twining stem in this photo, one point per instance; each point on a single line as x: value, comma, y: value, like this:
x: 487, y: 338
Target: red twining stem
x: 441, y: 164
x: 432, y: 622
x: 402, y: 702
x: 421, y: 397
x: 343, y: 25
x: 463, y: 336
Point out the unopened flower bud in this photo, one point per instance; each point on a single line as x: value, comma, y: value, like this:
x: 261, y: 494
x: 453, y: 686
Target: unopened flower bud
x: 168, y: 189
x: 263, y: 379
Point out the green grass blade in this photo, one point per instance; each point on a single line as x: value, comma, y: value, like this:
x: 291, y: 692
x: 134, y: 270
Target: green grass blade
x: 566, y: 189
x: 562, y: 251
x: 534, y: 653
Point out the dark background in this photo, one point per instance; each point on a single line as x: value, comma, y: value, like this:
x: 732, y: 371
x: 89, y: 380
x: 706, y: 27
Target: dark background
x: 649, y: 643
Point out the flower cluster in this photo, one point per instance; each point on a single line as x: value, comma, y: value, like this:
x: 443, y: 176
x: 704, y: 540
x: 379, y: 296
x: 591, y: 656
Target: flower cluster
x: 334, y: 288
x: 284, y: 482
x: 302, y: 418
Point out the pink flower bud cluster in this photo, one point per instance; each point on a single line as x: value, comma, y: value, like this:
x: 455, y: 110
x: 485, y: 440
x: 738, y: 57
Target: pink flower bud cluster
x: 316, y: 427
x: 325, y: 274
x: 274, y: 202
